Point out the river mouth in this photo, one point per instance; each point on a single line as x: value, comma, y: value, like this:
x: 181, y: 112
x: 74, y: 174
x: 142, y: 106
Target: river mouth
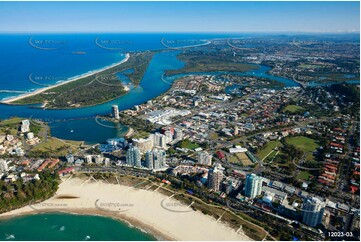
x: 77, y: 122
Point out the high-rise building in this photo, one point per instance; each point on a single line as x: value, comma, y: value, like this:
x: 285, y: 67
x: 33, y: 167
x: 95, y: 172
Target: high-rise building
x: 204, y: 158
x: 312, y: 211
x: 228, y: 186
x: 133, y: 157
x: 160, y: 140
x: 159, y: 158
x: 88, y: 159
x: 215, y: 177
x: 155, y: 159
x: 353, y: 223
x: 253, y: 185
x: 98, y: 159
x: 30, y: 135
x: 3, y: 166
x: 144, y: 144
x: 235, y: 131
x: 149, y: 159
x: 25, y: 126
x: 178, y: 134
x: 115, y: 111
x: 168, y: 128
x: 169, y: 136
x: 107, y: 161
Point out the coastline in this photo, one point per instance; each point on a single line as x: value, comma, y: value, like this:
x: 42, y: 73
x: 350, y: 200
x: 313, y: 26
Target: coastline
x: 131, y: 222
x: 137, y: 207
x: 129, y: 133
x: 38, y: 91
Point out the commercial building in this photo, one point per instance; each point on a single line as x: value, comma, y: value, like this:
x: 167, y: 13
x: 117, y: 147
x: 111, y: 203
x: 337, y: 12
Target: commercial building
x: 277, y: 194
x: 312, y: 211
x: 253, y: 186
x: 204, y: 158
x: 237, y: 149
x: 70, y: 158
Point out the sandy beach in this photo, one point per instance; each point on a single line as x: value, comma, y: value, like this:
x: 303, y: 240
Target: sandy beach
x: 140, y: 208
x: 38, y: 91
x: 130, y: 132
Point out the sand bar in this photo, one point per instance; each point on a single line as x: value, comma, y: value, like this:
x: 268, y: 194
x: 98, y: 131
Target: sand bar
x: 141, y: 208
x: 38, y: 91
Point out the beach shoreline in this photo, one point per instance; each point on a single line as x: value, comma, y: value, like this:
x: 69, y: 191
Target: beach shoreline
x: 129, y: 133
x: 131, y: 222
x: 137, y: 207
x: 38, y: 91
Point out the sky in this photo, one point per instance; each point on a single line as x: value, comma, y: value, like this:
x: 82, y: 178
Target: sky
x: 179, y: 17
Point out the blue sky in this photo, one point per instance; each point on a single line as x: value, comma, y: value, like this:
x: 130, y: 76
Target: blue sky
x: 179, y: 16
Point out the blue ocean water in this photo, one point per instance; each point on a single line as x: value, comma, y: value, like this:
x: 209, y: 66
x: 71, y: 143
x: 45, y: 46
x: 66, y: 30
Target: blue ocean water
x: 68, y: 227
x: 50, y: 58
x: 33, y: 61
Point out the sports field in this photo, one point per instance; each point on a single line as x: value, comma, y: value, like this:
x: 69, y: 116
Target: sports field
x: 268, y: 148
x: 292, y: 108
x: 303, y: 143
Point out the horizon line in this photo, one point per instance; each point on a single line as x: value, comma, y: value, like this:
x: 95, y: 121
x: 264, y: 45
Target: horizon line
x: 180, y: 32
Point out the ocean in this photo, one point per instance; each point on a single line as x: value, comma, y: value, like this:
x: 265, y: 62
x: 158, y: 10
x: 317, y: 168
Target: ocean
x: 68, y: 227
x: 34, y: 61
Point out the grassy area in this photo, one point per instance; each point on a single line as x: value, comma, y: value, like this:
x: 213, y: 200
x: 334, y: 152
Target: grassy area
x: 10, y: 121
x: 303, y: 143
x: 56, y: 147
x: 188, y: 144
x: 303, y: 175
x: 230, y: 219
x: 94, y: 89
x: 293, y: 109
x: 268, y: 148
x: 272, y: 156
x: 10, y: 126
x: 213, y: 136
x: 138, y: 134
x: 233, y: 159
